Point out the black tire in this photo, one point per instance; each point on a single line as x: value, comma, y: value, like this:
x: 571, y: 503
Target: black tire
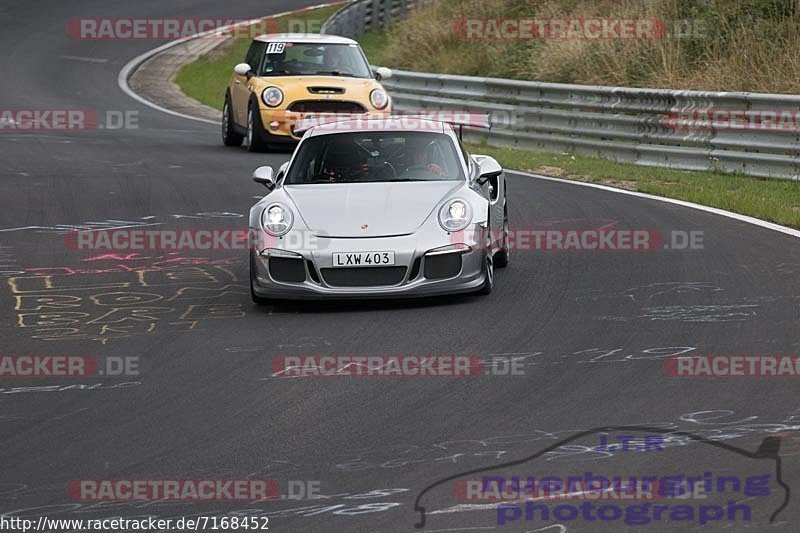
x: 258, y: 300
x: 503, y: 255
x: 229, y: 135
x: 488, y: 284
x: 255, y: 130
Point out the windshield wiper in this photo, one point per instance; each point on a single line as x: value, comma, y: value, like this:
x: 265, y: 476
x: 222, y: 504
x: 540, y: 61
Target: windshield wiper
x: 387, y: 181
x: 336, y: 73
x: 283, y: 73
x: 326, y: 178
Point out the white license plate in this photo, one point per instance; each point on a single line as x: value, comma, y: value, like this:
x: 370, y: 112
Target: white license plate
x: 363, y: 259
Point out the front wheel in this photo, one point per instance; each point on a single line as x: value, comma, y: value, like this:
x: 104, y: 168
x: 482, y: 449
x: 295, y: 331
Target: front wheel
x: 503, y: 255
x: 229, y: 135
x: 488, y: 284
x: 255, y: 131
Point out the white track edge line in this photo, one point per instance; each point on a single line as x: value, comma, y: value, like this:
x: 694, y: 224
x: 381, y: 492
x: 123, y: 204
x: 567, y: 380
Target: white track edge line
x: 736, y: 216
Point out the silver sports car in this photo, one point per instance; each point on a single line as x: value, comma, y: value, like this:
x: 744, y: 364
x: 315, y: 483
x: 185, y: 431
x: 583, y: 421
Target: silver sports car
x: 379, y: 208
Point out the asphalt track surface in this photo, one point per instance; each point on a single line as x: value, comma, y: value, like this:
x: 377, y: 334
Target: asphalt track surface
x: 592, y: 329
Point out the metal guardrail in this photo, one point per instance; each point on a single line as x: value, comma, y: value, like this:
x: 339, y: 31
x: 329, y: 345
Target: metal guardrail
x: 641, y: 126
x: 361, y: 16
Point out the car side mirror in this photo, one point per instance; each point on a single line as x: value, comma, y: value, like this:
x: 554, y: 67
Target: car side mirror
x: 488, y: 168
x: 281, y: 172
x: 483, y: 178
x: 263, y: 175
x: 383, y: 73
x: 242, y: 69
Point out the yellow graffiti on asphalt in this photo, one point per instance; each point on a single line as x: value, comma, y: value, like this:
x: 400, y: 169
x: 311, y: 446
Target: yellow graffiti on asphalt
x: 66, y: 307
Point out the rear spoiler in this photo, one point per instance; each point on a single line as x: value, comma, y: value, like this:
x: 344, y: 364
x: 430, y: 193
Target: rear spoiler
x: 460, y: 119
x: 306, y: 123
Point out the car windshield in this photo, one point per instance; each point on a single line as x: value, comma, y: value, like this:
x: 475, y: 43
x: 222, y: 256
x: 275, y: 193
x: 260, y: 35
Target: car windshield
x: 309, y: 59
x: 364, y: 157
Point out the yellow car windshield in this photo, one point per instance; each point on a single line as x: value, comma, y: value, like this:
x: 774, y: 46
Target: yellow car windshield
x: 313, y: 59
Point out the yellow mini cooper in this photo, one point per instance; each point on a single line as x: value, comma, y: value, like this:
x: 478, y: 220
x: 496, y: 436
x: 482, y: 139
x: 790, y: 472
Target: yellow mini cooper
x: 288, y: 77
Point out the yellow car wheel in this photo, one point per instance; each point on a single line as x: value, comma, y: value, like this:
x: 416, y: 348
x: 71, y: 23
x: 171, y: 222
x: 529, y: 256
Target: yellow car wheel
x: 229, y: 135
x: 255, y: 130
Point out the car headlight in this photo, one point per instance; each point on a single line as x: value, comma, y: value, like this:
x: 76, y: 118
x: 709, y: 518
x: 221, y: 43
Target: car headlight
x: 455, y: 215
x: 276, y: 220
x: 272, y: 96
x: 379, y: 99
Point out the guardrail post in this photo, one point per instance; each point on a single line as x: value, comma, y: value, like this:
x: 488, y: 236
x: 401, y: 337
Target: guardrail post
x: 377, y: 6
x: 360, y: 14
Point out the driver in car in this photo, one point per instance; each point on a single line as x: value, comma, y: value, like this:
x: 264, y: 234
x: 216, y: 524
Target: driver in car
x: 277, y: 63
x: 335, y: 60
x: 344, y: 160
x: 420, y: 156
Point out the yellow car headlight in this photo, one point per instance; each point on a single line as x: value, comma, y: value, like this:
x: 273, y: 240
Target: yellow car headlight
x: 379, y: 99
x: 272, y: 96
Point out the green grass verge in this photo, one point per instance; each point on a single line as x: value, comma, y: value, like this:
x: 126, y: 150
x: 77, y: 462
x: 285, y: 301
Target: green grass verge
x: 773, y: 200
x: 206, y: 78
x: 374, y: 45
